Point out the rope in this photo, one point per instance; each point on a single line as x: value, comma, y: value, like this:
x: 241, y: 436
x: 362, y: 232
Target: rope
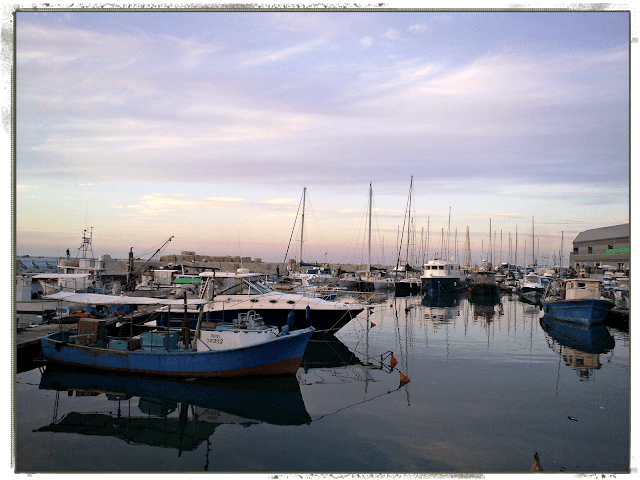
x: 291, y: 237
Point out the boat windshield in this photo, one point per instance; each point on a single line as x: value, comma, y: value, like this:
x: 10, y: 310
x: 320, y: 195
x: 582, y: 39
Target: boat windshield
x: 240, y: 286
x: 258, y: 286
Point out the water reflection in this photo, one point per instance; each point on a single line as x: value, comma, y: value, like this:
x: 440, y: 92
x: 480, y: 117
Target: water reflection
x: 441, y: 307
x: 484, y: 306
x: 328, y: 352
x: 580, y: 346
x: 145, y: 407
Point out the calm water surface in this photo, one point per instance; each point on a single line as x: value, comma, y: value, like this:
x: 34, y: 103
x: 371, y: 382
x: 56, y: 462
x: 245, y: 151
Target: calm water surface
x: 490, y: 383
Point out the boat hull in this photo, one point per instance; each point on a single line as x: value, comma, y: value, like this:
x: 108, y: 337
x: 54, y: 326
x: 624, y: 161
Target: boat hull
x: 586, y: 312
x: 442, y: 284
x: 280, y: 356
x: 325, y: 322
x: 407, y: 286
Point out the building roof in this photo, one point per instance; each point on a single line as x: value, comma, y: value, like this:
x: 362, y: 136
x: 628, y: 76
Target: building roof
x: 603, y: 233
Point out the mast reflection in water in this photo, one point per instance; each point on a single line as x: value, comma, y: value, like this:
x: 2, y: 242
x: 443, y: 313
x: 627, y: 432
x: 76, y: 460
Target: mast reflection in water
x: 492, y: 382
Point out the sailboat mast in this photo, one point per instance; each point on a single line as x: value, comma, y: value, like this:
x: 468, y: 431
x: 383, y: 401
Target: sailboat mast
x: 428, y: 230
x: 448, y: 234
x: 533, y: 238
x: 561, y: 249
x: 408, y: 227
x: 370, y: 208
x: 490, y: 250
x: 304, y: 199
x: 516, y: 251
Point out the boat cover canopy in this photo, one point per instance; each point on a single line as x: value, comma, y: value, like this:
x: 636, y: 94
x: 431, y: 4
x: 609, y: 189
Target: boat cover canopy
x: 99, y: 299
x: 187, y: 280
x: 230, y: 274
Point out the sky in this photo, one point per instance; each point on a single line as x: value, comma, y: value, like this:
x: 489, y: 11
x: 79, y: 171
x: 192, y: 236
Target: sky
x: 207, y: 127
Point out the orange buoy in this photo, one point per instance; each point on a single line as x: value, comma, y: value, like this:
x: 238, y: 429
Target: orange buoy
x: 403, y: 378
x: 536, y: 467
x: 394, y: 362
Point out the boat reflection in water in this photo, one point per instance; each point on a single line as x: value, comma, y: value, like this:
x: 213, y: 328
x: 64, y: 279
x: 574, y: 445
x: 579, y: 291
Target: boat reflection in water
x: 441, y: 307
x: 202, y: 406
x: 580, y: 345
x: 328, y: 352
x: 484, y: 306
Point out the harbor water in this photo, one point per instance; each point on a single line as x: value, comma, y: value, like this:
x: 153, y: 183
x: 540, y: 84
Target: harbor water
x: 480, y: 385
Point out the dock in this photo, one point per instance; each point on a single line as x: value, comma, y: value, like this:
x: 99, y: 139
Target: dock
x: 31, y: 328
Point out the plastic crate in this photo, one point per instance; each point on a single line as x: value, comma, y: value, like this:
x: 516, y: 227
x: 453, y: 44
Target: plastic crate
x: 164, y: 340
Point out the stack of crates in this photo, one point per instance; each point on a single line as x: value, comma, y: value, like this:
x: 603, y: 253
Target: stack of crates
x: 159, y: 340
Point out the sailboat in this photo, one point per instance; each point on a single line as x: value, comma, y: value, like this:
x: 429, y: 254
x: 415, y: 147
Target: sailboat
x: 409, y: 283
x: 308, y: 275
x: 366, y: 280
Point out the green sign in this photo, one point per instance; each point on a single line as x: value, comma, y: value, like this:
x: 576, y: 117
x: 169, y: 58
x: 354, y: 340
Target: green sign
x: 617, y: 250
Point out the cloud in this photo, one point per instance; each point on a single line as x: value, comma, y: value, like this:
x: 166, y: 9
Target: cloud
x: 282, y: 201
x: 392, y: 34
x: 366, y: 41
x: 418, y: 27
x: 272, y: 56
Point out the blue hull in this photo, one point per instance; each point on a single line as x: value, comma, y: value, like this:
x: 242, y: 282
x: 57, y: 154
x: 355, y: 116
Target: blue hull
x: 586, y: 312
x: 442, y: 284
x: 275, y: 400
x: 280, y: 356
x: 594, y: 339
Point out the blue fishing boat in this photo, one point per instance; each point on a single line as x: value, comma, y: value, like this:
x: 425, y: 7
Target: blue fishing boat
x: 246, y: 347
x: 576, y: 300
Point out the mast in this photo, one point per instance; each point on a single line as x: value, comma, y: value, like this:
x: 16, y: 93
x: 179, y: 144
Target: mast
x: 448, y: 234
x: 370, y: 208
x: 406, y: 270
x: 561, y: 249
x: 304, y: 198
x: 428, y: 230
x: 86, y: 243
x: 516, y: 251
x: 490, y: 250
x: 467, y: 252
x: 533, y: 243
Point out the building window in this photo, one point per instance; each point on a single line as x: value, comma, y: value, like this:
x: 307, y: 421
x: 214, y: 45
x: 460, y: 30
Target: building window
x: 575, y: 249
x: 589, y: 249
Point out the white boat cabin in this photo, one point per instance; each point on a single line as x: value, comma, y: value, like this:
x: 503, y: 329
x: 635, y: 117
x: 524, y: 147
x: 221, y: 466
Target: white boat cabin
x: 441, y: 268
x: 582, y: 289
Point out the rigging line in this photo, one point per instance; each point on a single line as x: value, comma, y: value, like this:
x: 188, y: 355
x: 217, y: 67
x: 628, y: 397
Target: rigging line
x: 292, y: 232
x: 315, y: 228
x: 403, y: 225
x: 357, y: 403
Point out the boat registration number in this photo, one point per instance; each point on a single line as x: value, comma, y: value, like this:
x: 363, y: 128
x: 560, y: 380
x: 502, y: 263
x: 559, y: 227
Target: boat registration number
x: 215, y: 339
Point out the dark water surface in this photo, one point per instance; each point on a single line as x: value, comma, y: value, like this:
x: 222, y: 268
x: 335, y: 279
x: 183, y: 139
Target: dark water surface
x: 490, y: 383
